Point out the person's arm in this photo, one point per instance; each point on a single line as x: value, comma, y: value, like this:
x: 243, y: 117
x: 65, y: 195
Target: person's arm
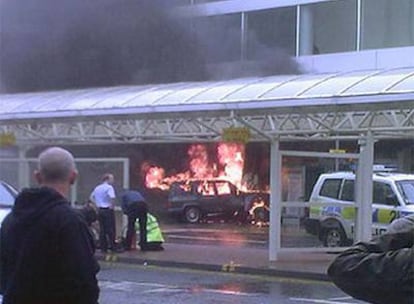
x: 111, y: 193
x: 92, y: 198
x: 380, y: 271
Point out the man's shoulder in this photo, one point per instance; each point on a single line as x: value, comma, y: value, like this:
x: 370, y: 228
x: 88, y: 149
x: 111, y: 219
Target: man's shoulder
x: 402, y: 224
x: 64, y: 210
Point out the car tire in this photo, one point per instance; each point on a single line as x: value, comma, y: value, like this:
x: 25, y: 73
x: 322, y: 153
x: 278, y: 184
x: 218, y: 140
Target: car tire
x: 334, y: 237
x: 261, y: 214
x: 192, y: 215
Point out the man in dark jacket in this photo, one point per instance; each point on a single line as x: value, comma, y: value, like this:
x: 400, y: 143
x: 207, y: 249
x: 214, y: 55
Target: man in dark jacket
x: 47, y: 252
x: 380, y: 271
x: 134, y: 207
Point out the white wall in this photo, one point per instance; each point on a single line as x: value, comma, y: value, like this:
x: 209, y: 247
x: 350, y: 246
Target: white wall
x: 363, y: 60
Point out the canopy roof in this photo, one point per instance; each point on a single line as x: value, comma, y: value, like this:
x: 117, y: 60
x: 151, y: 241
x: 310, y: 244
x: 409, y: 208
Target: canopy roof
x: 307, y: 106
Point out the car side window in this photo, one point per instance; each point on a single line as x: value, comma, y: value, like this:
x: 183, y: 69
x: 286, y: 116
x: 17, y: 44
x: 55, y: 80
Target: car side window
x: 223, y: 188
x: 383, y: 194
x: 348, y: 190
x: 206, y: 188
x: 330, y: 188
x: 179, y: 189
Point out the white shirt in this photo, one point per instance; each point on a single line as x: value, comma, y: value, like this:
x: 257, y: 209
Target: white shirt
x: 103, y: 195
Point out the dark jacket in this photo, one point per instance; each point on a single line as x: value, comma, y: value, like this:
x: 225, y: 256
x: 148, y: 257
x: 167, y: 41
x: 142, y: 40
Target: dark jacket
x: 47, y: 252
x: 132, y: 203
x: 380, y: 271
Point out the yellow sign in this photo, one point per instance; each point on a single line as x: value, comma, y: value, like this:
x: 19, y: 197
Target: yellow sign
x: 7, y: 139
x: 236, y: 134
x: 337, y: 151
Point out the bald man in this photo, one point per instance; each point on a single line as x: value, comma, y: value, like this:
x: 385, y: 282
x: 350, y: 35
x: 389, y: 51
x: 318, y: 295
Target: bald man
x: 47, y: 252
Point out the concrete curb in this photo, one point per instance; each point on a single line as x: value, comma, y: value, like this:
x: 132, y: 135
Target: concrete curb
x: 229, y: 268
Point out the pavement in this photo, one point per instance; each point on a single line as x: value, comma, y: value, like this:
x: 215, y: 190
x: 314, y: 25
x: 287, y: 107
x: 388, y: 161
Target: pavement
x: 233, y: 258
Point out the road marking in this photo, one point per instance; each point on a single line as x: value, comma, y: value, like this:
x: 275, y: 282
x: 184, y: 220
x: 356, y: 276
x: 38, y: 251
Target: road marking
x: 333, y: 301
x: 127, y: 286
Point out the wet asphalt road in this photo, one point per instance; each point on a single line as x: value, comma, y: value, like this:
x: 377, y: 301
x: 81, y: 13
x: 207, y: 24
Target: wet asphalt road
x: 134, y: 284
x: 293, y: 235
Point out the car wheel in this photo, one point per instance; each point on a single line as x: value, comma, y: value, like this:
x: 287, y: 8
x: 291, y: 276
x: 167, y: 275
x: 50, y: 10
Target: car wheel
x: 261, y: 214
x: 192, y: 215
x: 334, y: 237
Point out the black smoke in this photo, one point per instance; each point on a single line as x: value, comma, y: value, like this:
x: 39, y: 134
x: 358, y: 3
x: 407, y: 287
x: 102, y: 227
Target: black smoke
x: 51, y: 45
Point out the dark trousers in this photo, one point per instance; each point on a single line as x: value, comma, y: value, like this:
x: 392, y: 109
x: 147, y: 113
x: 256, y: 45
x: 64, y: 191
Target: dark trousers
x: 106, y: 218
x: 138, y: 211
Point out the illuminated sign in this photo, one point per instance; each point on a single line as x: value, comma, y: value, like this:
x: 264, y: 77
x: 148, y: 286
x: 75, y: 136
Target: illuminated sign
x: 337, y: 151
x: 7, y: 139
x: 236, y: 134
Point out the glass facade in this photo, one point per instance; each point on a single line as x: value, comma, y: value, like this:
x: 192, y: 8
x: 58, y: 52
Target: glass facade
x: 221, y: 36
x: 270, y: 30
x: 387, y: 23
x: 305, y: 28
x: 328, y: 27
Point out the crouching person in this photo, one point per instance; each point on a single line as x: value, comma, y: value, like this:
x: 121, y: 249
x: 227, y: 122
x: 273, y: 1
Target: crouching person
x: 135, y: 207
x: 154, y: 234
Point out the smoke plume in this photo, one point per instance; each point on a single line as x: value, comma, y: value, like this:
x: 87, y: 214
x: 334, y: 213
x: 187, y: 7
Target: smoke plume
x: 51, y: 45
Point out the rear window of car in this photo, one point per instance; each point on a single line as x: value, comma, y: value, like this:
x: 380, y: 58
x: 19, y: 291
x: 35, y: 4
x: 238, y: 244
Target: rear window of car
x: 348, y: 191
x: 330, y: 187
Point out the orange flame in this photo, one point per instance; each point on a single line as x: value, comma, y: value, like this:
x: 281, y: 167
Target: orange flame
x: 229, y: 165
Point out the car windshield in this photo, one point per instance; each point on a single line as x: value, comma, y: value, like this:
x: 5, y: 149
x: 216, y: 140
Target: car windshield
x: 7, y: 195
x: 406, y: 188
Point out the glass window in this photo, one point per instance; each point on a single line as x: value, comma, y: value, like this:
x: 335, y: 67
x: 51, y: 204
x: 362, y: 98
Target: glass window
x: 330, y: 188
x: 387, y: 23
x: 348, y: 191
x: 223, y: 188
x: 383, y: 194
x: 269, y: 30
x: 406, y: 188
x: 328, y: 27
x: 220, y: 37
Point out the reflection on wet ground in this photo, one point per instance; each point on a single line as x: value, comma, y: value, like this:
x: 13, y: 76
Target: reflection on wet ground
x: 293, y: 234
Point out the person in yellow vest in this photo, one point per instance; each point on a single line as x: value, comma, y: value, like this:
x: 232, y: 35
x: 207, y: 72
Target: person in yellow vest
x: 154, y: 233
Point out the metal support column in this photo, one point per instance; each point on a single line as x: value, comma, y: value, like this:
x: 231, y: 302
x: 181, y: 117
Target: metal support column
x: 364, y: 186
x: 23, y: 169
x: 275, y: 200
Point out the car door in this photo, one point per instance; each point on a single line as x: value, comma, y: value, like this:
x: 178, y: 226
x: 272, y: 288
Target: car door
x: 208, y: 199
x: 229, y: 200
x: 385, y: 207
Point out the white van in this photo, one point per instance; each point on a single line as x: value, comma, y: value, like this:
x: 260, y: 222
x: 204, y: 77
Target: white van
x: 332, y: 211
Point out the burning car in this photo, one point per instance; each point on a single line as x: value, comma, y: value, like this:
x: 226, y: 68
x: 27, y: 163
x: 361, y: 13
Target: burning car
x: 195, y: 199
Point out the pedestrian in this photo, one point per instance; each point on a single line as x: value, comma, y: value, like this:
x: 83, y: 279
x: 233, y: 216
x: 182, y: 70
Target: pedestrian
x: 135, y: 207
x: 380, y: 271
x: 47, y: 252
x: 104, y: 198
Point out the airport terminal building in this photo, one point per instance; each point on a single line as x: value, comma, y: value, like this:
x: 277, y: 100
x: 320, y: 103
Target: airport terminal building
x: 307, y: 79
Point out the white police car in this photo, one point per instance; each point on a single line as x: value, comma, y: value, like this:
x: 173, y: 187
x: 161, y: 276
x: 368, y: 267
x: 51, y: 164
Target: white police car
x: 7, y: 197
x: 332, y: 212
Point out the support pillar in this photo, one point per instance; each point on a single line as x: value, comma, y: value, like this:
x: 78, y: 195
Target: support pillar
x: 275, y: 200
x: 306, y: 40
x: 364, y: 185
x: 23, y: 169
